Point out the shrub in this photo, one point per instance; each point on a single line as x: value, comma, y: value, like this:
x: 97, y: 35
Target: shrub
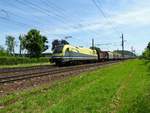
x: 4, y: 53
x: 148, y: 64
x: 21, y: 60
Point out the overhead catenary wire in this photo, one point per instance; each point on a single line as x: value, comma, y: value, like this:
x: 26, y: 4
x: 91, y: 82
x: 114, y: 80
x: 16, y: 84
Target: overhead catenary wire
x: 62, y: 11
x: 97, y: 3
x: 41, y: 9
x: 7, y: 18
x: 34, y: 6
x: 11, y: 16
x: 57, y: 9
x: 111, y: 43
x: 45, y: 11
x: 15, y: 13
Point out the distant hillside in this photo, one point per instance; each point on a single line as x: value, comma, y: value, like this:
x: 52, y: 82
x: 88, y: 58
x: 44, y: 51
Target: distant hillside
x: 125, y: 52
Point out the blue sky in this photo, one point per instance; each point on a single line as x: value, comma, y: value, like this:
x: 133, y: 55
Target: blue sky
x: 80, y: 19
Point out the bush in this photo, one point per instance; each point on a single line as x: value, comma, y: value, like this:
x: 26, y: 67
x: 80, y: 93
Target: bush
x: 4, y: 53
x: 146, y: 54
x: 148, y: 64
x: 21, y: 60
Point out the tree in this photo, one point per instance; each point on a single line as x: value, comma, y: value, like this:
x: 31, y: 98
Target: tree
x: 148, y: 47
x: 35, y: 43
x: 146, y: 53
x: 10, y: 43
x: 22, y: 43
x: 56, y: 43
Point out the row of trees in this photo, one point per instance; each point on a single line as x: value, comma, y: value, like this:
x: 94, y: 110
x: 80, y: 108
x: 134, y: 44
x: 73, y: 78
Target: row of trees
x: 33, y: 42
x: 146, y: 53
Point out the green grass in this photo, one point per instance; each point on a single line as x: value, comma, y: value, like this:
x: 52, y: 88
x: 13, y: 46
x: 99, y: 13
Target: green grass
x: 120, y: 88
x: 21, y: 60
x: 24, y: 65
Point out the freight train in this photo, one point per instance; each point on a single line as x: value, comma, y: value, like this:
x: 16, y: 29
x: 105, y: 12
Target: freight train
x: 66, y: 54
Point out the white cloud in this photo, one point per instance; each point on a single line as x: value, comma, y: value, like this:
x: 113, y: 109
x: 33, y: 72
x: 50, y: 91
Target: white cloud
x: 136, y: 17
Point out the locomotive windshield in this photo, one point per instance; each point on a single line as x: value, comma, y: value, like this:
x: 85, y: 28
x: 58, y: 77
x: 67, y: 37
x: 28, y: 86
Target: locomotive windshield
x: 58, y: 49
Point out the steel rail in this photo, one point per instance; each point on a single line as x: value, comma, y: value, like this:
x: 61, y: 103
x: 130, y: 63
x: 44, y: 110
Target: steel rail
x: 7, y: 79
x: 15, y: 70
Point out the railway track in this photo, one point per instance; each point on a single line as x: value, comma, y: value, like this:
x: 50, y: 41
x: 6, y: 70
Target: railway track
x: 12, y: 70
x: 46, y: 72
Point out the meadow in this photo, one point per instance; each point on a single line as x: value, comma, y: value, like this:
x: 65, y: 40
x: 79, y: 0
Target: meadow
x: 118, y: 88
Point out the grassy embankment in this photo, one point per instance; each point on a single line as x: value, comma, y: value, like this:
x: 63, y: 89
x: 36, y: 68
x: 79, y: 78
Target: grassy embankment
x: 120, y: 88
x: 11, y: 62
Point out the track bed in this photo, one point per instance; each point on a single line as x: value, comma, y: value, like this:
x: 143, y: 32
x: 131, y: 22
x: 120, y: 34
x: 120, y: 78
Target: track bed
x: 18, y: 79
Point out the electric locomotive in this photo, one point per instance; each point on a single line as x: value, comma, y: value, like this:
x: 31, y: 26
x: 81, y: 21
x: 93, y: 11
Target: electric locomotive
x: 69, y: 54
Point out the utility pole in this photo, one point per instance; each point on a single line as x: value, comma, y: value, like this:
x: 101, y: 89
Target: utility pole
x: 93, y: 43
x: 122, y: 37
